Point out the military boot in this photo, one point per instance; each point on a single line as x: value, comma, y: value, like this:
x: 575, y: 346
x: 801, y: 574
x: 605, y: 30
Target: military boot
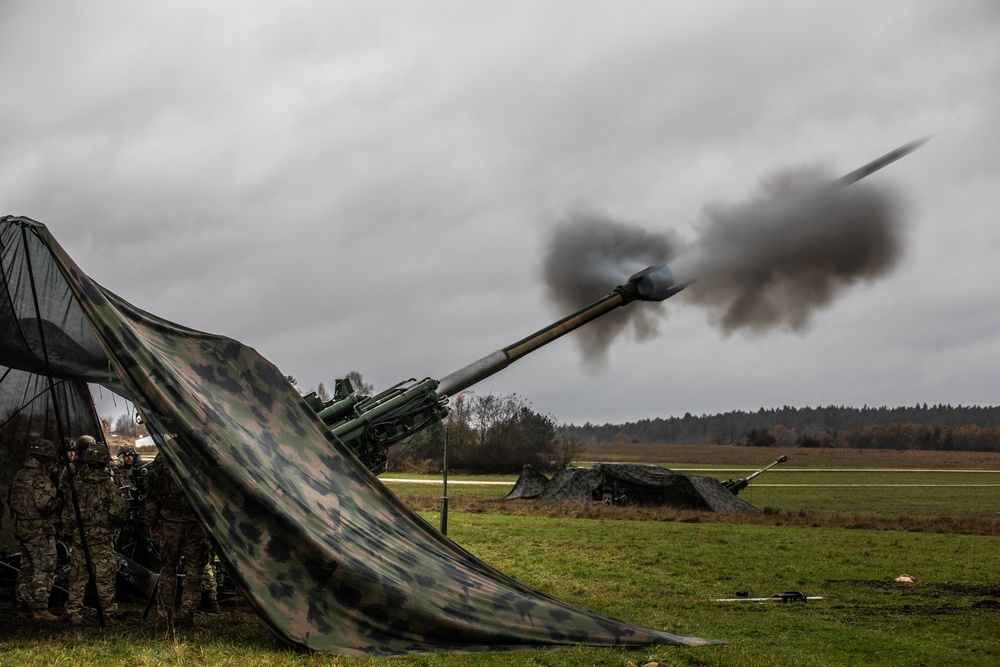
x: 43, y: 615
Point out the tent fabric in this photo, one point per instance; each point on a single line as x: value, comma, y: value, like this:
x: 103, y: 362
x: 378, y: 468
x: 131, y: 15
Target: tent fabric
x: 27, y: 413
x: 328, y: 557
x: 624, y: 482
x: 530, y: 484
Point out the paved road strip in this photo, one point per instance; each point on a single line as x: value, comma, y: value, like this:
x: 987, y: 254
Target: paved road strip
x: 855, y: 470
x: 450, y: 482
x: 992, y: 486
x: 485, y: 483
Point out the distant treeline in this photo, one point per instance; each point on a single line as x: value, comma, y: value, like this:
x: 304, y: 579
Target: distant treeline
x: 918, y: 427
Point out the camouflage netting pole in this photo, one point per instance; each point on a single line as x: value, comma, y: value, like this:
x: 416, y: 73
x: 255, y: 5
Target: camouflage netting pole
x: 444, y: 498
x: 58, y: 418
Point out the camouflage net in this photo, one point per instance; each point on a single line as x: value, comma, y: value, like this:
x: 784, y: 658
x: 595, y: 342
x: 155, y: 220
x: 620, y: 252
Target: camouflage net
x: 626, y: 484
x: 325, y: 554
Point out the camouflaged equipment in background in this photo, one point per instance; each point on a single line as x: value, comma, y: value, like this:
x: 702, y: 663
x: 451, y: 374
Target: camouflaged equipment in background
x: 628, y: 483
x: 326, y: 555
x: 529, y: 485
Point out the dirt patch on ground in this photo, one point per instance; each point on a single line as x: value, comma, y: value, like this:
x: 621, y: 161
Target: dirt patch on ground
x: 937, y: 599
x: 931, y: 589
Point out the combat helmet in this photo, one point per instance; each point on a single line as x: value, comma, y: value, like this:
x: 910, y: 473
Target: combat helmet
x: 83, y: 442
x: 96, y: 452
x: 128, y: 450
x: 43, y: 449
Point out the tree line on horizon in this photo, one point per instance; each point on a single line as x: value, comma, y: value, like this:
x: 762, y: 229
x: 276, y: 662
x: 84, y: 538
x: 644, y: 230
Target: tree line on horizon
x: 936, y: 427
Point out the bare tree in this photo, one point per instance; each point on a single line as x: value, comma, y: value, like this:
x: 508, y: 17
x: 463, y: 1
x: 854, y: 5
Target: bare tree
x: 493, y: 433
x: 461, y: 433
x: 359, y: 384
x: 126, y: 426
x: 495, y: 422
x: 565, y: 451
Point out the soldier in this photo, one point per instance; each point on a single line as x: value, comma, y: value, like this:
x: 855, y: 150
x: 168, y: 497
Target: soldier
x: 70, y: 451
x: 125, y: 465
x: 82, y: 443
x: 102, y: 510
x: 35, y: 503
x: 181, y: 535
x: 67, y: 460
x: 210, y: 586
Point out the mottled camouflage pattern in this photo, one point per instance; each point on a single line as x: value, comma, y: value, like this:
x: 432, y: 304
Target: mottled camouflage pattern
x: 181, y: 537
x: 530, y: 484
x: 209, y: 579
x: 102, y: 510
x: 34, y: 500
x: 102, y: 507
x: 166, y: 500
x: 328, y: 557
x: 581, y: 485
x: 123, y: 476
x: 181, y: 540
x: 35, y: 503
x: 102, y: 554
x: 38, y: 571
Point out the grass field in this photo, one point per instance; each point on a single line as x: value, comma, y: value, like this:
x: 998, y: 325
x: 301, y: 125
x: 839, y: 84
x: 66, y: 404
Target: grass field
x: 665, y: 569
x: 941, y: 491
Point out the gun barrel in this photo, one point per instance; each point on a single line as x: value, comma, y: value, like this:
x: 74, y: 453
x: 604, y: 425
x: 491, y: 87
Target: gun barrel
x: 737, y: 485
x: 781, y: 459
x: 655, y: 283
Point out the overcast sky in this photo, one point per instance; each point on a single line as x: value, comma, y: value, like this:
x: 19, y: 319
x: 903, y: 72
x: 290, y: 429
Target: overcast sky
x: 372, y: 185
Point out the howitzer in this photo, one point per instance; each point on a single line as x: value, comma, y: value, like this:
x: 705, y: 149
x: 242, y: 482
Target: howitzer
x: 369, y: 425
x: 737, y: 485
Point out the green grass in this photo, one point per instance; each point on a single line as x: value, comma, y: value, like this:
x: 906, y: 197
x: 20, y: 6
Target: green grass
x: 666, y: 575
x: 666, y: 569
x: 821, y: 483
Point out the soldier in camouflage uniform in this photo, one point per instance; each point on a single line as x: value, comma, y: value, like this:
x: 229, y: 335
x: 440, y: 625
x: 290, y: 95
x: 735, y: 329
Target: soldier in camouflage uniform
x: 181, y: 536
x: 125, y: 465
x: 102, y: 509
x: 35, y: 503
x: 210, y: 586
x: 67, y: 459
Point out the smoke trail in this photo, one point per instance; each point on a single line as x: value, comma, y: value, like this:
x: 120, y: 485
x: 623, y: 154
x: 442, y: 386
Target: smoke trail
x: 767, y: 263
x: 588, y: 255
x: 774, y: 261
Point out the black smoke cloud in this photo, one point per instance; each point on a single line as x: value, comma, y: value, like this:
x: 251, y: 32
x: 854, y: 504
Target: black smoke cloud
x: 768, y: 263
x: 588, y: 255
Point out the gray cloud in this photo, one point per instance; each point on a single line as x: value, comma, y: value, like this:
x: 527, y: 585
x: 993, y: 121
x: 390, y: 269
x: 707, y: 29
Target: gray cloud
x: 371, y: 185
